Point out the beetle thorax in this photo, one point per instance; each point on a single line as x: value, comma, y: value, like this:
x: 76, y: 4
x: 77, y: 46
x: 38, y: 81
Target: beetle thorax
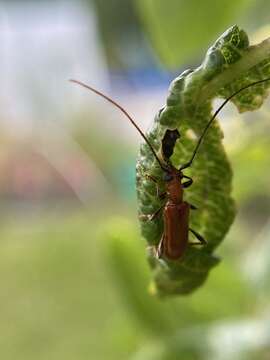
x: 173, y: 186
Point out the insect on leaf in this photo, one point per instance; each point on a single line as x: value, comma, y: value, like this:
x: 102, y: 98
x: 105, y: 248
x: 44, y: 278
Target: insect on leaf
x: 229, y: 65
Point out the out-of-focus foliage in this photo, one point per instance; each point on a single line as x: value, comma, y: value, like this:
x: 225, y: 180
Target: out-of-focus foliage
x: 121, y: 33
x: 181, y: 29
x: 56, y: 299
x: 96, y: 142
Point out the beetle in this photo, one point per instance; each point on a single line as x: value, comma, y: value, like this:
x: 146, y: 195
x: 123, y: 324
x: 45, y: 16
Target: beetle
x: 175, y: 239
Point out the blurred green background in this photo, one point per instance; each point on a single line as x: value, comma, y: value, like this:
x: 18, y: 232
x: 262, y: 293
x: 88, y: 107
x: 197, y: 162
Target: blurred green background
x: 74, y: 278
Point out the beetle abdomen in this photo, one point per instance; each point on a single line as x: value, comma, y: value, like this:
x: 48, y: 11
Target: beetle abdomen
x: 175, y: 238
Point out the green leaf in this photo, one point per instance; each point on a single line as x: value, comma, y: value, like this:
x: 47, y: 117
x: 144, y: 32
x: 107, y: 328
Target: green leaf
x: 181, y: 29
x: 124, y: 257
x: 228, y: 65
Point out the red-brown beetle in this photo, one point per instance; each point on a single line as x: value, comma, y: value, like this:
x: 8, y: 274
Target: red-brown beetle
x: 174, y: 240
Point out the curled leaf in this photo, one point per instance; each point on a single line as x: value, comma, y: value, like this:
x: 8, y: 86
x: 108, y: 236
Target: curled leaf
x: 229, y: 65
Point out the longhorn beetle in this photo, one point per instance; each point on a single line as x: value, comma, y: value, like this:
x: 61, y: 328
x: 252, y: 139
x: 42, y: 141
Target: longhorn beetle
x: 174, y: 240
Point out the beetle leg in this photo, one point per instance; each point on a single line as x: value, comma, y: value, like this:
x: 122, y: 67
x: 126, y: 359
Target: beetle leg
x: 160, y: 111
x: 161, y: 196
x: 156, y: 213
x: 143, y: 217
x: 155, y: 180
x: 152, y: 178
x: 151, y: 217
x: 187, y: 183
x: 159, y: 250
x: 202, y: 241
x: 185, y: 166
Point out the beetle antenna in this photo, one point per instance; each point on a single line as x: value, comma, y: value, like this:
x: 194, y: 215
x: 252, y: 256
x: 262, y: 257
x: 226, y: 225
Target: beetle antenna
x: 188, y: 164
x: 125, y: 113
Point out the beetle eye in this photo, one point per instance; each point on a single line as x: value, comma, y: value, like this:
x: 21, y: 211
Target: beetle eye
x: 167, y: 177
